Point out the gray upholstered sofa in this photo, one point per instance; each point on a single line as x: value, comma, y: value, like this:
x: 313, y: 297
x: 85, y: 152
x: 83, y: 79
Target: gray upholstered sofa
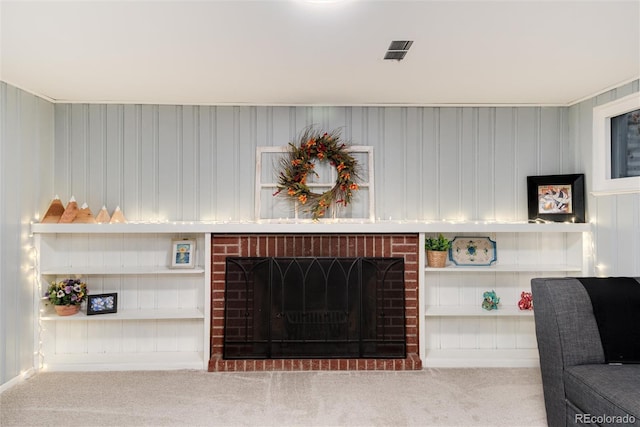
x: 579, y: 387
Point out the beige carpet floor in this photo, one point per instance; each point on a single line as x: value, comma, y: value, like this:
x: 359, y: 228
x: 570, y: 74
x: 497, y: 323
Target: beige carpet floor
x: 432, y: 397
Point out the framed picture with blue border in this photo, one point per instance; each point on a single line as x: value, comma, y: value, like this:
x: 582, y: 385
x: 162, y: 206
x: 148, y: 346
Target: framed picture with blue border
x: 183, y: 253
x: 102, y: 304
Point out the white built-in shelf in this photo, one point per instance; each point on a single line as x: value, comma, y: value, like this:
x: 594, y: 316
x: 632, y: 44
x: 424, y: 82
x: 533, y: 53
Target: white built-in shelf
x: 457, y: 335
x: 103, y: 270
x: 60, y: 348
x: 502, y: 227
x: 322, y: 226
x: 506, y: 268
x: 131, y: 259
x: 141, y: 228
x: 486, y: 358
x: 474, y: 311
x: 143, y: 361
x: 127, y: 314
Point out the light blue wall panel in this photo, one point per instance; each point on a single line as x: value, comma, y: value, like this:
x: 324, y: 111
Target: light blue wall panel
x: 627, y: 236
x: 227, y: 166
x: 132, y: 157
x: 393, y: 169
x: 506, y: 179
x: 449, y: 155
x: 467, y: 145
x: 551, y: 140
x: 413, y: 183
x: 616, y: 218
x: 114, y: 172
x: 198, y: 162
x: 429, y: 166
x: 485, y: 176
x: 26, y: 186
x: 207, y: 154
x: 170, y: 162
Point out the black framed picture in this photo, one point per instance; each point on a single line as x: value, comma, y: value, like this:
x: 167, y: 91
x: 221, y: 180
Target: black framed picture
x: 102, y: 304
x: 556, y: 198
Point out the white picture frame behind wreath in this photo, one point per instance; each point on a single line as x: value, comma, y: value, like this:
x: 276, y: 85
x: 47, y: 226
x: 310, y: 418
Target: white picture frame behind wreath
x: 183, y: 253
x: 267, y: 207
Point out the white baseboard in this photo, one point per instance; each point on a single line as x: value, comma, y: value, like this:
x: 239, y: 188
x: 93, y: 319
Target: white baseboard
x: 17, y: 380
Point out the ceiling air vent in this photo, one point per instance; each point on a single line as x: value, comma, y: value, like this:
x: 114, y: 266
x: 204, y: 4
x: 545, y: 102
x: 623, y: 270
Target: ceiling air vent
x: 398, y: 49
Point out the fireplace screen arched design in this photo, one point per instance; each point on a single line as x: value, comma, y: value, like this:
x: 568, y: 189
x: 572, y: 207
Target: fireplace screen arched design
x: 307, y: 307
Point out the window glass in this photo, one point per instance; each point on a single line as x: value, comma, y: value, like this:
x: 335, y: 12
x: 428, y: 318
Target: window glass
x: 625, y: 145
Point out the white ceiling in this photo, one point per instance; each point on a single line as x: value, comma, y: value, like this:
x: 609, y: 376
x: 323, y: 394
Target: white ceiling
x: 293, y: 52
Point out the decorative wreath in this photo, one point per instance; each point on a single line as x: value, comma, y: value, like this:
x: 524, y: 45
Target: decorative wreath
x: 298, y: 163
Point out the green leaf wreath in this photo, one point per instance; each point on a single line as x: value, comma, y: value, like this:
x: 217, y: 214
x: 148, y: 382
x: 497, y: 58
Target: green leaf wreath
x: 299, y: 163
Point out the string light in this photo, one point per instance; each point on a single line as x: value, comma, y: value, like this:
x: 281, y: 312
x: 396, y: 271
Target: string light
x: 37, y: 285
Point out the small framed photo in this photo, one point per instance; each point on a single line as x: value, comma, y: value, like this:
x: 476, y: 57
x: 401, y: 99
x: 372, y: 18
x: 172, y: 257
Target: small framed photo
x: 102, y: 304
x: 183, y: 253
x: 556, y: 198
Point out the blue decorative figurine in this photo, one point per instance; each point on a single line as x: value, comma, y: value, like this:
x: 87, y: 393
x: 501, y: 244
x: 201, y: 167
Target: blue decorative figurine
x: 490, y: 301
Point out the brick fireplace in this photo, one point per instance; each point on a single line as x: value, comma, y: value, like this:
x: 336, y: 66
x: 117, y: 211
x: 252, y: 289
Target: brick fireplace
x: 314, y: 245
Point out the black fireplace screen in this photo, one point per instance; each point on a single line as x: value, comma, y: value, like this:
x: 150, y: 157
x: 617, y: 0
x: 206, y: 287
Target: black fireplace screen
x: 278, y: 308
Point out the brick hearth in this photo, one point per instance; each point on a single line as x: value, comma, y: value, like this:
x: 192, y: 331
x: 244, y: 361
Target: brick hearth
x: 320, y: 245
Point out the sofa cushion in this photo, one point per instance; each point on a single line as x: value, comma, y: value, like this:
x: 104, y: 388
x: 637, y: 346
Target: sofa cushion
x: 605, y: 390
x: 615, y: 302
x: 566, y: 328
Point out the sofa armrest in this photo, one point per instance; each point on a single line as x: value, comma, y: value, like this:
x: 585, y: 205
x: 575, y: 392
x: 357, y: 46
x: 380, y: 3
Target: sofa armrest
x: 567, y: 335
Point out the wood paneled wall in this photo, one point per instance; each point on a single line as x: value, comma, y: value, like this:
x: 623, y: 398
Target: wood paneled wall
x: 26, y: 172
x: 198, y: 162
x: 616, y: 217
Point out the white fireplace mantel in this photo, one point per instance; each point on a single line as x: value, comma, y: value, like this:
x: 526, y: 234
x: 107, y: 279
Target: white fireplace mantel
x: 307, y: 227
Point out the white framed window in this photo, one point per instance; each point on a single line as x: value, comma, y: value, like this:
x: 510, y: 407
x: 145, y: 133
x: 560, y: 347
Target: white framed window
x: 268, y: 206
x: 616, y: 146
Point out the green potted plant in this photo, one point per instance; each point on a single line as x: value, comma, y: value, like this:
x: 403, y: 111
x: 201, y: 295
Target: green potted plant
x: 437, y: 250
x: 67, y: 295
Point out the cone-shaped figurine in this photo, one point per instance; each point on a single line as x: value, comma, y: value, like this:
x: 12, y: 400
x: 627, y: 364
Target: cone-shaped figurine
x: 117, y: 217
x: 85, y: 216
x: 54, y: 212
x: 103, y: 216
x: 70, y: 212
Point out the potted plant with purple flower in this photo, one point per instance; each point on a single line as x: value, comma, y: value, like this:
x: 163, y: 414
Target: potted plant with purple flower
x: 67, y: 295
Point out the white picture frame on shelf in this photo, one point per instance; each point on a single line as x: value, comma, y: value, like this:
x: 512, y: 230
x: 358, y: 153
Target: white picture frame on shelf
x: 183, y: 253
